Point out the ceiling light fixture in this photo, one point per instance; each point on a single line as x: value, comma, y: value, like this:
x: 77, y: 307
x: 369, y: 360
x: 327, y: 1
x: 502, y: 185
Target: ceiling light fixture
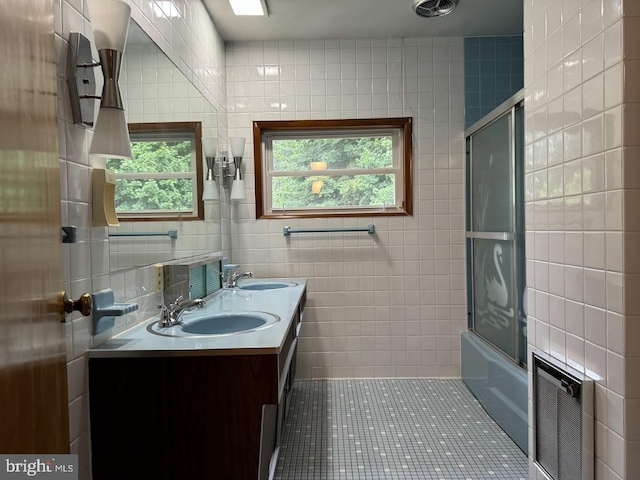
x: 249, y: 7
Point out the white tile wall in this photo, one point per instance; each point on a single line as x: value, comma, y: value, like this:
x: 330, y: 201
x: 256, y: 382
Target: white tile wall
x: 392, y: 305
x: 575, y: 105
x: 624, y: 330
x: 193, y: 44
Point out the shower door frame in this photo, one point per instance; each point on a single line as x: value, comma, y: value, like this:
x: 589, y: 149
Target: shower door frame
x: 509, y: 107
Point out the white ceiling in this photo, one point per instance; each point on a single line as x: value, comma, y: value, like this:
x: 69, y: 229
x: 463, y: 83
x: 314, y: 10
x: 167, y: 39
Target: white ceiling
x: 335, y: 19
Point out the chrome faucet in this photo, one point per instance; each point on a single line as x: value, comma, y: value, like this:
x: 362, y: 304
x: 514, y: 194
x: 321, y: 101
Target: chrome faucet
x: 231, y: 279
x: 170, y: 314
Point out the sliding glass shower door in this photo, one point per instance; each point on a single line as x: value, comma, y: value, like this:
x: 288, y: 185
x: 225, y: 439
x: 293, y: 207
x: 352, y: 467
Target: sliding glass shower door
x: 495, y: 232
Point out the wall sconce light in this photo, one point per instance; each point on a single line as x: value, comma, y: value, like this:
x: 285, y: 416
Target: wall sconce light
x: 110, y: 21
x: 237, y: 151
x: 211, y: 190
x: 238, y: 191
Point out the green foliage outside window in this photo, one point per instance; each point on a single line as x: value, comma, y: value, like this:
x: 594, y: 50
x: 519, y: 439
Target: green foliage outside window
x: 339, y: 154
x: 134, y: 194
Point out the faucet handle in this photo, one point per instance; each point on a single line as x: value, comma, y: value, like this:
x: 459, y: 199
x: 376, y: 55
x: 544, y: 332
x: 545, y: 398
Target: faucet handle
x: 176, y: 302
x: 164, y: 315
x: 227, y: 267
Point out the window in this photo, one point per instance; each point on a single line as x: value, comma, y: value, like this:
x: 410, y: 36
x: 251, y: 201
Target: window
x: 315, y: 168
x: 163, y: 178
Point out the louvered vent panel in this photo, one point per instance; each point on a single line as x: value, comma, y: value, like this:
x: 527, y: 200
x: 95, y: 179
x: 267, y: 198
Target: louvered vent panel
x: 560, y: 414
x: 569, y: 437
x: 213, y: 278
x: 197, y: 282
x: 547, y: 426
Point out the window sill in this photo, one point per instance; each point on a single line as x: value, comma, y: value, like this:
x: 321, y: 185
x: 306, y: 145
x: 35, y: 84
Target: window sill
x: 161, y: 219
x: 335, y: 214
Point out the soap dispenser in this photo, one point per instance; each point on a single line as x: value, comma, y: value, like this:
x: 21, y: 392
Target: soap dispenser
x: 104, y: 198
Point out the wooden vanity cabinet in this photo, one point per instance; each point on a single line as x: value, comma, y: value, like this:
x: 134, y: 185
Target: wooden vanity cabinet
x: 189, y: 417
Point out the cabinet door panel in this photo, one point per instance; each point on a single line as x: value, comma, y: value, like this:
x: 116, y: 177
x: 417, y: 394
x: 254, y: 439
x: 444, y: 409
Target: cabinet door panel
x: 268, y: 432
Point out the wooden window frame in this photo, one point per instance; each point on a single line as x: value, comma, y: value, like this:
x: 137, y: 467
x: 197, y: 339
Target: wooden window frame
x: 159, y: 127
x: 260, y: 128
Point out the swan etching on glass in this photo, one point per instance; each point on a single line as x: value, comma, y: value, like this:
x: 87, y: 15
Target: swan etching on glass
x: 493, y: 305
x: 497, y: 290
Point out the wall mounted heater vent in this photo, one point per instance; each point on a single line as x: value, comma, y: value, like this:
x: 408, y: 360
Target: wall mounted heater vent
x: 563, y: 423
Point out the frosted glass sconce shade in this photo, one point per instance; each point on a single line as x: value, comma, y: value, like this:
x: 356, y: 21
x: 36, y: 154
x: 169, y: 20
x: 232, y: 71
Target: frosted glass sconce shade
x: 237, y: 146
x: 238, y: 191
x: 210, y: 147
x: 237, y: 151
x: 110, y: 21
x: 111, y: 135
x: 210, y: 191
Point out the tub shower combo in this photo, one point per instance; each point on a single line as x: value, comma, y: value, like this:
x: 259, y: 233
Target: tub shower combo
x: 494, y: 349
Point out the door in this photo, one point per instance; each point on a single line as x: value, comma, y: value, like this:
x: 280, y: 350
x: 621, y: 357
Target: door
x: 495, y: 232
x: 33, y: 383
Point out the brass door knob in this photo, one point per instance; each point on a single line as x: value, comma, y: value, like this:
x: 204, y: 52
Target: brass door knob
x: 65, y: 306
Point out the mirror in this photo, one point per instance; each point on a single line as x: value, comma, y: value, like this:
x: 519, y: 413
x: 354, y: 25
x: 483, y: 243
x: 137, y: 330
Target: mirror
x: 155, y: 90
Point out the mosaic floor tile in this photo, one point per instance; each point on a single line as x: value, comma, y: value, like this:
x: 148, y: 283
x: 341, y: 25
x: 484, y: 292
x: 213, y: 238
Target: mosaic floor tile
x: 392, y: 429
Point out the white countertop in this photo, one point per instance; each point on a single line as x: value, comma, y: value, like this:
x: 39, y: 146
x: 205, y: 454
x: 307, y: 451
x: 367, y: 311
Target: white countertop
x: 139, y: 342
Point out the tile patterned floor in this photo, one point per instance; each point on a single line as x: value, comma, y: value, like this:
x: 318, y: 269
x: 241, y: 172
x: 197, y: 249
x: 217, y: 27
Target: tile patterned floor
x: 426, y: 429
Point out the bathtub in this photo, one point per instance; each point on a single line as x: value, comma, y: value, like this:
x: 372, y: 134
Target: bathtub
x: 499, y: 385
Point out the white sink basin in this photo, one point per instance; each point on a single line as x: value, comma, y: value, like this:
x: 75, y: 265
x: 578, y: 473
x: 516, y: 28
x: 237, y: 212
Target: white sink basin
x: 216, y: 324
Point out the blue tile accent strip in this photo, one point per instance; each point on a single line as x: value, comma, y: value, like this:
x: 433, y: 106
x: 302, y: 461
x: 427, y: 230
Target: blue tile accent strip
x: 494, y: 71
